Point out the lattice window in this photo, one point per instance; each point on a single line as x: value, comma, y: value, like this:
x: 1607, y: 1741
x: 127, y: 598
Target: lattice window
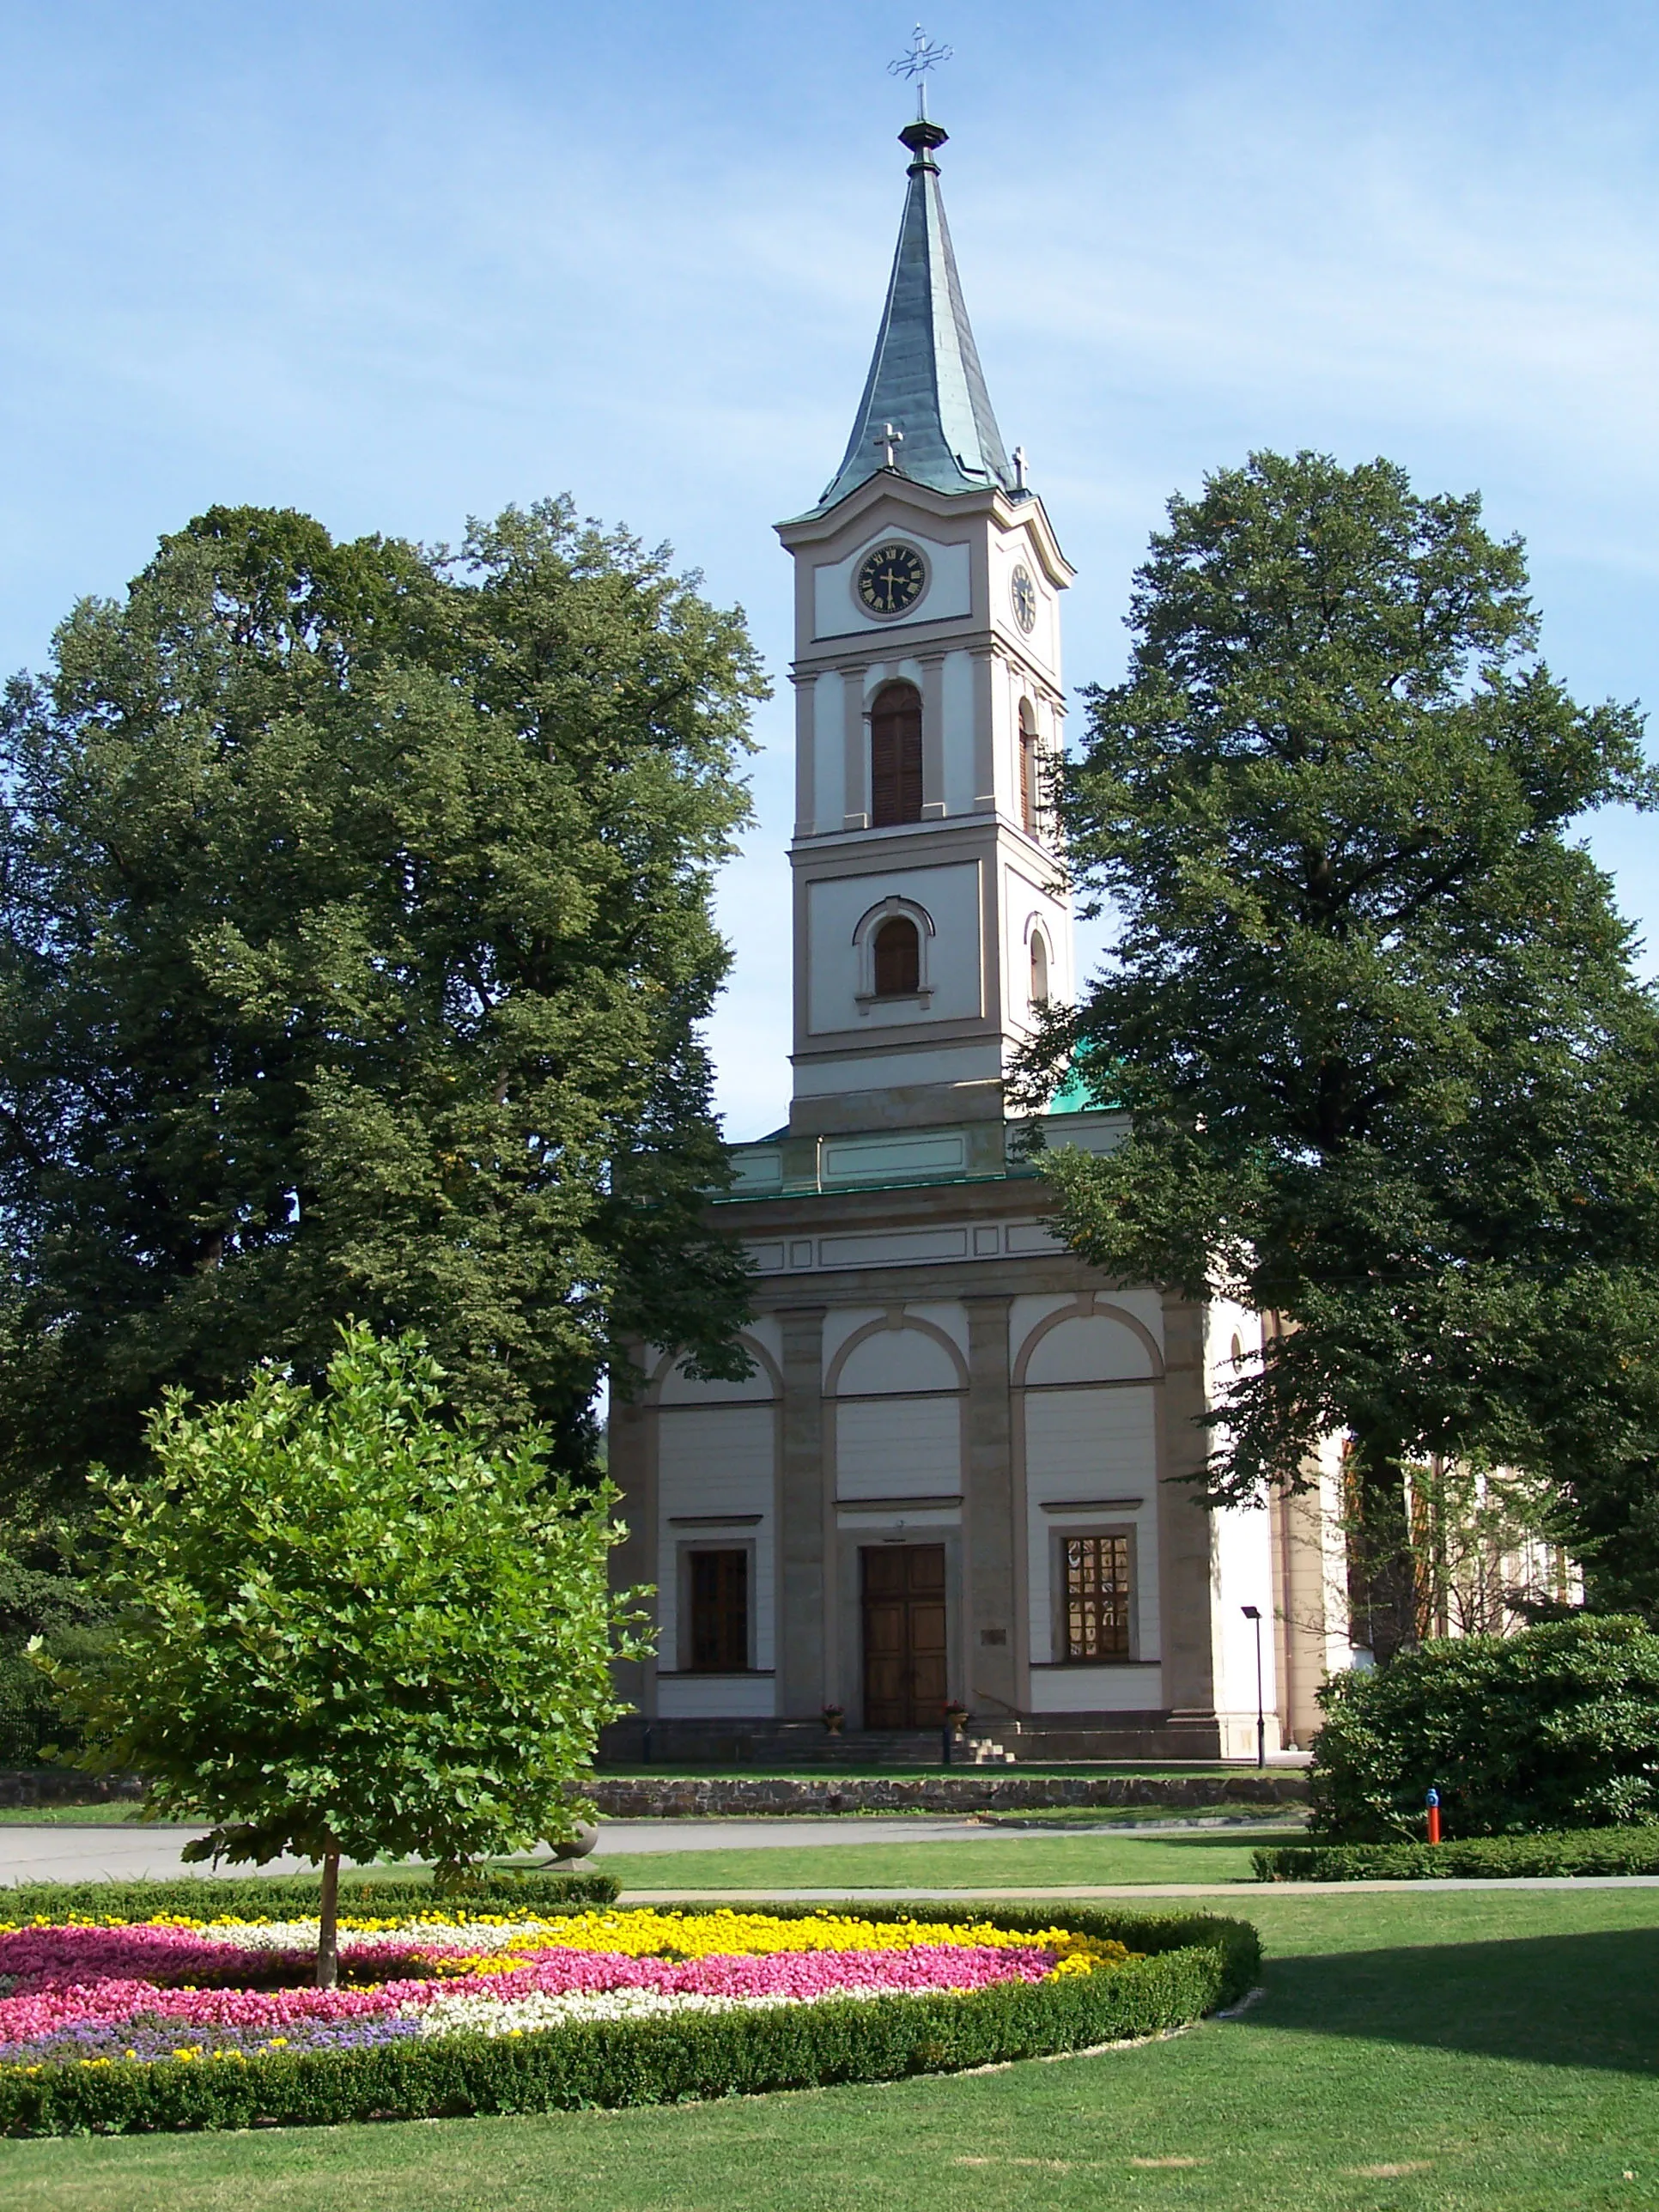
x: 1097, y: 1597
x: 719, y: 1613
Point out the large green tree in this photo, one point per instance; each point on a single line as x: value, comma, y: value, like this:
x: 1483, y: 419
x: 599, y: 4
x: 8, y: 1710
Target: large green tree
x: 1370, y: 1008
x: 354, y: 936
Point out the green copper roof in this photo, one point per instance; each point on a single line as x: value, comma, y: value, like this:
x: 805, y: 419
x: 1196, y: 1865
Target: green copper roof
x: 925, y: 379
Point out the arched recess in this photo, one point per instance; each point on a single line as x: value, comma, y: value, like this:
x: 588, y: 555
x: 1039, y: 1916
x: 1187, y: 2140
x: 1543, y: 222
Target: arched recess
x: 670, y: 1386
x: 1038, y: 980
x: 1087, y: 1379
x: 1100, y: 1355
x: 896, y: 1389
x: 896, y: 755
x: 943, y: 1368
x: 1030, y: 769
x: 869, y: 945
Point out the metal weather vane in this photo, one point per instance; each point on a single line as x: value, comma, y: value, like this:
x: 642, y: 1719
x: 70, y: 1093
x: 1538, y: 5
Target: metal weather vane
x: 924, y: 54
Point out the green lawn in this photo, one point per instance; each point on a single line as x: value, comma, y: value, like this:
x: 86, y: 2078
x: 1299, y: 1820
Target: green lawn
x: 1417, y: 2052
x: 998, y: 1862
x: 77, y: 1816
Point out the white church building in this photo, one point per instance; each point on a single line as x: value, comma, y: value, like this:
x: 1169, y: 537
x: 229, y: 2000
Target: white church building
x: 955, y: 1476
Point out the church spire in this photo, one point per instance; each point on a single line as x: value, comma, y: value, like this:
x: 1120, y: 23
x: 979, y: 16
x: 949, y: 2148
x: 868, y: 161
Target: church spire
x: 925, y: 382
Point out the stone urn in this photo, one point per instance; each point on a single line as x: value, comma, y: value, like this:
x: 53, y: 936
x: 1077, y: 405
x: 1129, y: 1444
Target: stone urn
x: 579, y: 1845
x: 834, y: 1720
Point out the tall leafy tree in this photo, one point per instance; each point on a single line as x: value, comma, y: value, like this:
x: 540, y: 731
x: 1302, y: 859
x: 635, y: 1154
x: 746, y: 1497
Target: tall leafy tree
x: 356, y: 931
x: 1371, y: 1009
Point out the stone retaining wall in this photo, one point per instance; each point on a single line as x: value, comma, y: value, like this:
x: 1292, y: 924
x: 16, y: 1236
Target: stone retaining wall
x: 63, y: 1785
x: 647, y: 1797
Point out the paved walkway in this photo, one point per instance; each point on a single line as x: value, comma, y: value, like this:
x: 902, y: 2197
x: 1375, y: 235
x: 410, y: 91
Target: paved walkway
x: 128, y: 1851
x: 1238, y: 1891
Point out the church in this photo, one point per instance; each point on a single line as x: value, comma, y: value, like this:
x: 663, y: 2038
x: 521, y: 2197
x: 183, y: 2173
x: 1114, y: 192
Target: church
x: 955, y: 1478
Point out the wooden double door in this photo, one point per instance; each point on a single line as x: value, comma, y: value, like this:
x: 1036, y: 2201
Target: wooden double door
x: 905, y: 1682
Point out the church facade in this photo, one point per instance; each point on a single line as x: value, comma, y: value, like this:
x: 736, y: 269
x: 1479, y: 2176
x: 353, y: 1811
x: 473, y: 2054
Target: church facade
x: 956, y: 1475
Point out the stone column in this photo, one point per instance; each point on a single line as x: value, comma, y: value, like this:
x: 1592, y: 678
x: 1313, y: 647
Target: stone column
x: 932, y: 737
x: 856, y: 725
x: 989, y: 1519
x: 1185, y: 1576
x: 801, y: 1594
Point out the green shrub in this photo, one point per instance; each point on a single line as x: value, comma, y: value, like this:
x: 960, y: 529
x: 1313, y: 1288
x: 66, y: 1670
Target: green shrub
x: 203, y: 1897
x: 28, y: 1712
x: 1192, y: 1965
x: 1552, y: 1728
x: 1513, y: 1858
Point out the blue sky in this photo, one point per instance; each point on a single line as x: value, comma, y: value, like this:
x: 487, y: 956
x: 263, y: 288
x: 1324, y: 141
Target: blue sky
x: 400, y: 264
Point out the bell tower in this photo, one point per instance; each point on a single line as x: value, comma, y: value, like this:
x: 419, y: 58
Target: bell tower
x: 931, y: 918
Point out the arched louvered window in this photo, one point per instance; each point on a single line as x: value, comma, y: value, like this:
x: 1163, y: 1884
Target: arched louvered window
x: 1039, y: 970
x: 897, y: 958
x: 896, y: 755
x: 1030, y: 768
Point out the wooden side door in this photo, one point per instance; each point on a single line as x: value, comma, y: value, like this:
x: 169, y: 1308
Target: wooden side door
x: 928, y: 1686
x: 905, y: 1635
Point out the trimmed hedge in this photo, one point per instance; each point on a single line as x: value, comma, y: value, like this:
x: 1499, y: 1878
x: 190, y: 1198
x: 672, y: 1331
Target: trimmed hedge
x: 205, y: 1897
x: 1573, y: 1851
x: 1193, y: 1965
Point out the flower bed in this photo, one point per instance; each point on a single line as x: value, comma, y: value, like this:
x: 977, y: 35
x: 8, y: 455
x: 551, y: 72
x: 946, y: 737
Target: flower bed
x: 120, y: 2023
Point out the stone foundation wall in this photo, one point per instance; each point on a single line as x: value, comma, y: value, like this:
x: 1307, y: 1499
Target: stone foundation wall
x: 645, y: 1797
x: 61, y: 1785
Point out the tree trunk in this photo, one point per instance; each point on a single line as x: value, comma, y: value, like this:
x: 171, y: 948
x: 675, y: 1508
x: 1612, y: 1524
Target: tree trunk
x: 328, y: 1929
x: 1383, y: 1608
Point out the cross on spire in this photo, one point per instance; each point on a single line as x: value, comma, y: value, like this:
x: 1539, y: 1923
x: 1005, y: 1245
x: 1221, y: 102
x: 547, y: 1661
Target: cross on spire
x: 924, y: 54
x: 889, y: 438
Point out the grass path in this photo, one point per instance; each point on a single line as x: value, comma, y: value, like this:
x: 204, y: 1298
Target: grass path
x: 992, y: 1862
x: 1487, y: 2052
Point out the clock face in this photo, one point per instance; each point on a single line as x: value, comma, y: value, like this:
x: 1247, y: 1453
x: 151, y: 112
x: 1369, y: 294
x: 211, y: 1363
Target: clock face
x: 1025, y: 597
x: 891, y: 578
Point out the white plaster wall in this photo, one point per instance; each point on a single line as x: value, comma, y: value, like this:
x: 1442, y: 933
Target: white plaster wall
x: 946, y: 1315
x: 1097, y: 1690
x: 912, y: 1063
x: 952, y: 959
x: 1242, y: 1542
x: 1083, y: 1445
x: 1026, y: 904
x: 1007, y: 550
x: 957, y: 704
x: 838, y: 612
x: 716, y: 1459
x: 716, y: 1697
x: 1025, y: 1313
x: 829, y: 752
x: 880, y: 673
x: 843, y: 1322
x: 898, y: 1448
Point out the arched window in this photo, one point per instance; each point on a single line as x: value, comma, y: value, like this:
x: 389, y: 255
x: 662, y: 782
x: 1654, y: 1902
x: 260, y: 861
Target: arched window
x: 896, y: 755
x: 897, y: 958
x: 1039, y: 970
x: 1029, y: 769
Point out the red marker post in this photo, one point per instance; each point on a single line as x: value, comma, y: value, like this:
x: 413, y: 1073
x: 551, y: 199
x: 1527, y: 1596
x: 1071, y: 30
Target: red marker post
x: 1432, y: 1801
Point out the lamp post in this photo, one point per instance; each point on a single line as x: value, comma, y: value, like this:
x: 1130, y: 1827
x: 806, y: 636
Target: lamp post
x: 1253, y: 1613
